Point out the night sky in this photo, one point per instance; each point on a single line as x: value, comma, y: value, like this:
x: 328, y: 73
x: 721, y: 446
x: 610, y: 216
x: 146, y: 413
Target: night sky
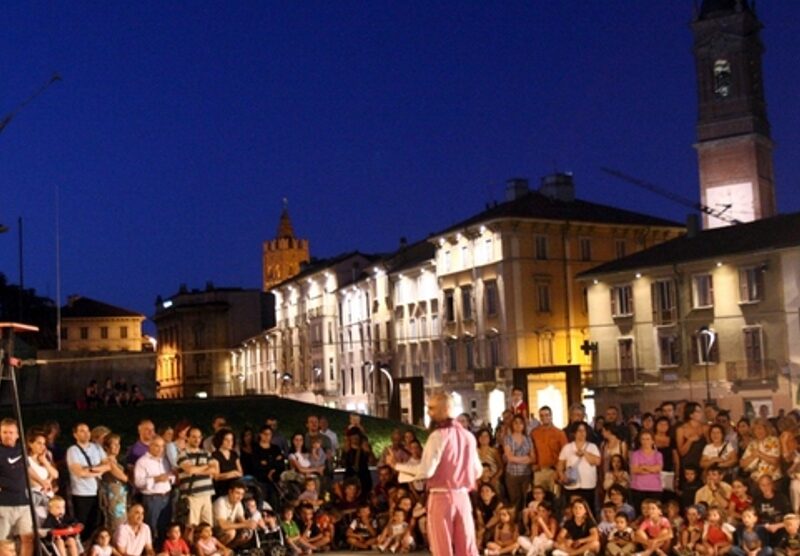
x: 179, y: 127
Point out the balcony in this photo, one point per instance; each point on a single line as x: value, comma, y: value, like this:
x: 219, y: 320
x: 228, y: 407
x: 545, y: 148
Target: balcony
x: 750, y: 374
x: 637, y: 377
x: 468, y: 379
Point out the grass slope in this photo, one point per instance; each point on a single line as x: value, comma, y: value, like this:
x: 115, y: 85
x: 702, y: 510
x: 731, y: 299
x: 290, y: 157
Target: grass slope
x: 239, y: 411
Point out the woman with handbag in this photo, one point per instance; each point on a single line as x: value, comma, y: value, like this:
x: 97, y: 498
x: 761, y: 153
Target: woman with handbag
x: 577, y: 466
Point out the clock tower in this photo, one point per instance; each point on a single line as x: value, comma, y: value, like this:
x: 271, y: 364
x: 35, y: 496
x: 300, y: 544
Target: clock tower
x: 734, y: 148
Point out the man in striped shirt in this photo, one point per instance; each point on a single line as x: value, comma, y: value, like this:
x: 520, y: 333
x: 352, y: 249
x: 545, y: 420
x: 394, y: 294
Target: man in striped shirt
x: 196, y: 471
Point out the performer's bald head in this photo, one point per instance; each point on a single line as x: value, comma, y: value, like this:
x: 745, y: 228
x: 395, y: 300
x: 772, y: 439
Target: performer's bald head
x: 440, y: 406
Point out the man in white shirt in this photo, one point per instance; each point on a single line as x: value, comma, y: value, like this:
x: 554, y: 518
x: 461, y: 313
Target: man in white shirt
x: 232, y: 528
x: 133, y: 537
x: 451, y: 466
x: 86, y: 462
x: 154, y: 479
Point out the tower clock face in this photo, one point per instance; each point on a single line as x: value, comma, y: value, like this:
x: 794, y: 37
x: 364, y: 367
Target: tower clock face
x: 734, y: 202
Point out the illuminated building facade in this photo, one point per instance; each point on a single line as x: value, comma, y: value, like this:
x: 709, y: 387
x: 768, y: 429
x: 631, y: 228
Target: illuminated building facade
x: 706, y: 315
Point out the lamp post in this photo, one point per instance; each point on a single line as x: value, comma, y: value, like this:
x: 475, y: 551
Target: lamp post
x: 710, y: 337
x: 389, y: 379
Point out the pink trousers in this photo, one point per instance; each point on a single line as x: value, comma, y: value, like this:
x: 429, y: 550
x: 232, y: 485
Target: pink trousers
x: 451, y: 530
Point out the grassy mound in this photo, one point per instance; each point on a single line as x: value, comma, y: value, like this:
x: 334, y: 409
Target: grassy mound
x: 239, y: 411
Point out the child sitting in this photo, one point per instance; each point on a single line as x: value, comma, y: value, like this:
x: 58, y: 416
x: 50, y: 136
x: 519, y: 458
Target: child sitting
x: 486, y: 507
x: 750, y: 539
x: 788, y: 540
x: 396, y: 537
x: 174, y: 544
x: 362, y: 533
x: 310, y: 494
x: 674, y: 515
x: 63, y: 530
x: 616, y: 474
x: 739, y: 500
x: 689, y: 485
x: 529, y: 513
x: 620, y: 539
x: 318, y: 537
x: 295, y: 542
x: 206, y: 544
x: 101, y: 545
x: 717, y: 535
x: 607, y: 520
x: 542, y: 533
x: 691, y: 534
x: 506, y: 535
x: 654, y: 534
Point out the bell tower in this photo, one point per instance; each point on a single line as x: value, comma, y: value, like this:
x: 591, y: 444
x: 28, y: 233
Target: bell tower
x: 283, y: 255
x: 734, y: 148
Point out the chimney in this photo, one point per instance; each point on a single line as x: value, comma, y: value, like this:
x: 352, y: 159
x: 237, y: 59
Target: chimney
x: 692, y: 225
x: 72, y: 299
x: 558, y: 186
x: 516, y: 188
x: 403, y: 242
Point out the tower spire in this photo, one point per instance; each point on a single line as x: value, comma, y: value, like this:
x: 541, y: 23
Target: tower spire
x: 285, y: 229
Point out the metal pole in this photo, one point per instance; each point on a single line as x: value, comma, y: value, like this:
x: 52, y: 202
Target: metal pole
x: 8, y: 333
x: 21, y: 272
x: 708, y: 384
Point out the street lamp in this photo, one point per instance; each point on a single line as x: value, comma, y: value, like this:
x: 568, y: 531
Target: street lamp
x: 710, y: 337
x: 385, y: 371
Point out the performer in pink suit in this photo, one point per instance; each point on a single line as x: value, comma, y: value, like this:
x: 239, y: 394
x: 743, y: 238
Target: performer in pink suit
x: 451, y: 466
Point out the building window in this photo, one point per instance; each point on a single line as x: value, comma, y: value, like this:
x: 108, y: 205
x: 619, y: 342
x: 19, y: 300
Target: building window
x: 352, y: 381
x: 541, y: 248
x: 669, y: 354
x: 452, y: 357
x: 84, y: 332
x: 585, y: 300
x: 412, y: 329
x: 494, y: 351
x: 437, y: 365
x: 469, y: 352
x: 627, y: 371
x: 104, y: 332
x: 434, y: 324
x: 546, y: 349
x: 751, y: 284
x: 449, y: 306
x: 487, y: 250
x: 64, y: 334
x: 622, y: 301
x: 702, y: 291
x: 754, y: 351
x: 465, y: 257
x: 619, y: 248
x: 722, y: 78
x: 123, y: 332
x: 585, y: 247
x: 490, y: 295
x: 543, y: 298
x: 466, y: 302
x: 702, y: 352
x: 664, y: 304
x: 447, y: 261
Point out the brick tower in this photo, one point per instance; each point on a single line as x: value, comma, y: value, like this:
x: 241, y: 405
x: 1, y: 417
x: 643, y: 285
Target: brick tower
x: 734, y: 148
x: 283, y: 255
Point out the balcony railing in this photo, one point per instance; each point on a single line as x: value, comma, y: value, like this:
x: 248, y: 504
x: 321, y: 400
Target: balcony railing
x: 467, y: 379
x: 613, y: 378
x: 752, y: 373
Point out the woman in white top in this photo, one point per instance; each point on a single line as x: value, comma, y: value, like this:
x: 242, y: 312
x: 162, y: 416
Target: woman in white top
x: 584, y: 457
x: 299, y: 463
x: 45, y: 473
x: 44, y: 476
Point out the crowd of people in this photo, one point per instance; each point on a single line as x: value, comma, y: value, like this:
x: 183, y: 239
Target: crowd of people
x: 684, y: 480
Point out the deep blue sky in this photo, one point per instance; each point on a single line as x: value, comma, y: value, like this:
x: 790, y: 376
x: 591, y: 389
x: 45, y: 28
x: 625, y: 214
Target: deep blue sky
x: 179, y: 127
